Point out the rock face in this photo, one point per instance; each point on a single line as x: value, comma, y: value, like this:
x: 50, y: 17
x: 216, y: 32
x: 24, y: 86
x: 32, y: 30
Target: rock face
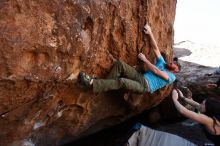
x: 43, y: 46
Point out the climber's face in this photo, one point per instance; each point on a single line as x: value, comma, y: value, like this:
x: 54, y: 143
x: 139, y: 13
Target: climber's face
x: 173, y: 67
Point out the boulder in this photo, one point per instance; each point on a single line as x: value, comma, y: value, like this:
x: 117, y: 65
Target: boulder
x: 44, y: 45
x: 199, y: 67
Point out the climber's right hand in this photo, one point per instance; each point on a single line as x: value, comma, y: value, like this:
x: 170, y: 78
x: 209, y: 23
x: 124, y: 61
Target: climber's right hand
x: 147, y: 29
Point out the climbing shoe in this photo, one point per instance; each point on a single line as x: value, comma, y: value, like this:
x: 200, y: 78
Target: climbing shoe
x: 85, y: 79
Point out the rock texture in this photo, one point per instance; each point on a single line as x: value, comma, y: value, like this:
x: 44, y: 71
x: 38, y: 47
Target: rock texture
x: 43, y: 46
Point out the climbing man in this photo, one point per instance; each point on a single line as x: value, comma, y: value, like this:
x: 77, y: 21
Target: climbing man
x: 126, y: 77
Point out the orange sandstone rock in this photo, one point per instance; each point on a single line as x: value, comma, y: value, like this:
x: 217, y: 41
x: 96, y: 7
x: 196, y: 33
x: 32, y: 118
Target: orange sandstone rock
x: 43, y: 46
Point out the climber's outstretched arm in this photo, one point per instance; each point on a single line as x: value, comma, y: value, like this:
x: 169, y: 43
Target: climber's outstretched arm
x: 147, y: 30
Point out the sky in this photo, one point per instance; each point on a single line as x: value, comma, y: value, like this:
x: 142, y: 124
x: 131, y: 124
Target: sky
x: 198, y: 21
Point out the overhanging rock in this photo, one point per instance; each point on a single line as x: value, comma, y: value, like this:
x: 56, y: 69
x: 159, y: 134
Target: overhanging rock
x: 43, y: 46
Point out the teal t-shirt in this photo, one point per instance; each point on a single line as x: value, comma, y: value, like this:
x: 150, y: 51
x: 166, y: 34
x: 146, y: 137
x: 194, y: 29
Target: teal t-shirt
x: 155, y: 82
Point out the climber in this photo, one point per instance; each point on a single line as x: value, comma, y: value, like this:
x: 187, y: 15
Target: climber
x: 209, y: 115
x: 124, y: 76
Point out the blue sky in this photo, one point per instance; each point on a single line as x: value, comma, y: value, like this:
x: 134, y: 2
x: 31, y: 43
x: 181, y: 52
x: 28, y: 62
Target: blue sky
x: 198, y: 21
